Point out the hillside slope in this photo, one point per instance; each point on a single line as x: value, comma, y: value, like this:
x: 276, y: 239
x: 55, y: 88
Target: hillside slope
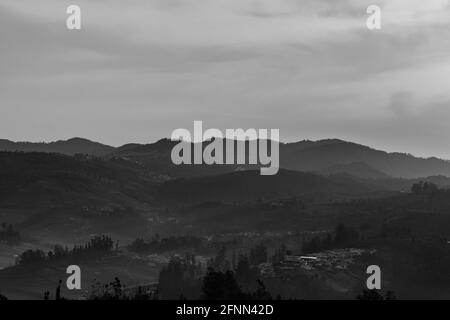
x: 57, y: 194
x: 68, y: 147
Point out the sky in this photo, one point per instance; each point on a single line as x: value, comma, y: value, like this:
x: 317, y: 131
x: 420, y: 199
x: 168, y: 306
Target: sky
x: 139, y: 69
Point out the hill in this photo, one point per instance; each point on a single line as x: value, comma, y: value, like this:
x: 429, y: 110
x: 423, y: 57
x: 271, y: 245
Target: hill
x: 251, y: 186
x: 356, y: 169
x: 52, y: 194
x: 329, y: 156
x: 68, y: 147
x: 323, y: 154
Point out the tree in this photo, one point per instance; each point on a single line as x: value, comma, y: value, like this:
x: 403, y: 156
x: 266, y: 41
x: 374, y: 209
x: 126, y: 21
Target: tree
x: 345, y: 235
x: 424, y: 188
x: 180, y: 278
x: 221, y: 286
x: 372, y: 295
x: 417, y: 188
x: 258, y: 254
x: 31, y: 257
x: 261, y: 293
x: 2, y: 297
x: 220, y: 262
x: 375, y: 295
x: 390, y: 295
x: 279, y: 254
x: 245, y: 274
x: 117, y: 287
x: 58, y: 291
x: 429, y: 188
x: 8, y: 234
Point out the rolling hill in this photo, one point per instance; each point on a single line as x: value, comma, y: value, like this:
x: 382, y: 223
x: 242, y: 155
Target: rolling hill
x: 246, y: 186
x: 326, y: 157
x: 323, y: 156
x: 49, y: 194
x: 68, y: 147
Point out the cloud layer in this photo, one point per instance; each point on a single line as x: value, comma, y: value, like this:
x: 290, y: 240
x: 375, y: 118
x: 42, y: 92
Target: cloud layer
x: 142, y: 68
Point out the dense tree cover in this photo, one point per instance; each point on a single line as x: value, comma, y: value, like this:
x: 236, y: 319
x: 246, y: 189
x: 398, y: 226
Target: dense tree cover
x: 97, y: 245
x: 113, y: 290
x: 424, y: 188
x: 279, y: 254
x: 224, y: 286
x: 375, y: 295
x: 220, y: 262
x: 221, y: 286
x: 246, y: 274
x: 184, y: 278
x: 106, y: 291
x: 215, y: 285
x: 8, y: 234
x: 343, y: 236
x: 258, y: 254
x: 181, y: 278
x: 156, y: 244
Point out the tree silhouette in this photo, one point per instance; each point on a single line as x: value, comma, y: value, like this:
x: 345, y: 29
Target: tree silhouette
x: 221, y: 286
x: 58, y: 291
x: 261, y: 293
x: 220, y: 262
x: 245, y: 274
x: 181, y: 277
x: 424, y: 188
x: 258, y: 254
x: 375, y: 295
x: 2, y: 297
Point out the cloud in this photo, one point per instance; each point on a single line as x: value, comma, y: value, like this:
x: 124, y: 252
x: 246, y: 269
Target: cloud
x: 141, y: 68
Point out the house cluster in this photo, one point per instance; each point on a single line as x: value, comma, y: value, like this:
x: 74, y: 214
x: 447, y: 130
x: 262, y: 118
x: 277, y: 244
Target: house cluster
x: 330, y: 260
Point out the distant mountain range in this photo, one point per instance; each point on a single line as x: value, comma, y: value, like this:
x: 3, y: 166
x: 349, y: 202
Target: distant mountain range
x: 324, y: 156
x: 327, y: 157
x: 68, y: 147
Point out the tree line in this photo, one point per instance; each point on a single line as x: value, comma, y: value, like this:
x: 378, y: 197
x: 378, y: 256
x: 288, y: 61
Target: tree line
x: 424, y: 188
x: 343, y: 236
x: 157, y: 244
x: 8, y: 234
x: 98, y: 245
x: 184, y: 278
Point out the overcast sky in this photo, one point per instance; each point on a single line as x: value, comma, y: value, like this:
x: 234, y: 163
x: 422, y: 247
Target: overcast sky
x: 139, y: 69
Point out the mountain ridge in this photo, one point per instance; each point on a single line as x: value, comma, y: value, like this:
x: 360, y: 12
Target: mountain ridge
x: 323, y: 156
x: 70, y: 147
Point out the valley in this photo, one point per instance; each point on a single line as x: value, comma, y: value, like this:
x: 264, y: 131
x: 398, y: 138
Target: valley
x: 158, y: 215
